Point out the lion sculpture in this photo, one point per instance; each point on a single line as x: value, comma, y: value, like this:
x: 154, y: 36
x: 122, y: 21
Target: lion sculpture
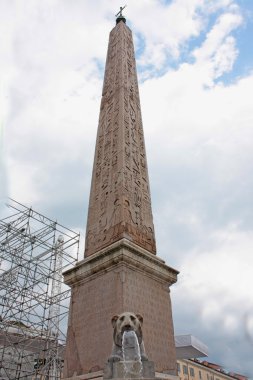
x: 126, y: 321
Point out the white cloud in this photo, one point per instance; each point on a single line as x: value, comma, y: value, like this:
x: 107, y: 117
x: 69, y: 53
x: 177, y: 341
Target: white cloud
x: 172, y: 27
x: 221, y: 273
x: 218, y: 52
x: 169, y: 27
x: 214, y: 290
x: 52, y: 73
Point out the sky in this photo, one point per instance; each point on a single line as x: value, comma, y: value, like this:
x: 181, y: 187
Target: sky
x: 195, y: 69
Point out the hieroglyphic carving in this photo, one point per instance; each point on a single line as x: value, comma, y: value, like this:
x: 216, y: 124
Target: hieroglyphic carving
x: 120, y: 202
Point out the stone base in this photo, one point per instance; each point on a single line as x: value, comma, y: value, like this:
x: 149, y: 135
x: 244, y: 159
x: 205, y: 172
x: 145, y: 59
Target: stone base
x: 129, y: 370
x: 99, y: 375
x: 88, y: 376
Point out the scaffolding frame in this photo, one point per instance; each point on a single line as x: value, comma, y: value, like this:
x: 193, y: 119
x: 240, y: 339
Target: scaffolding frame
x: 34, y: 301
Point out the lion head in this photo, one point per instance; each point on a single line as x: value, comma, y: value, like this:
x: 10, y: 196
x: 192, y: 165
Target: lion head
x: 126, y: 321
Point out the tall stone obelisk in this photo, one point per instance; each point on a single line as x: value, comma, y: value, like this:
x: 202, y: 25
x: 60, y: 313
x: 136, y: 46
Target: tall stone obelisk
x: 120, y: 205
x: 120, y: 271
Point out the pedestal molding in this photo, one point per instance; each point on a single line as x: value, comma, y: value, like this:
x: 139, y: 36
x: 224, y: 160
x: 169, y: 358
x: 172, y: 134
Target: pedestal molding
x: 117, y: 255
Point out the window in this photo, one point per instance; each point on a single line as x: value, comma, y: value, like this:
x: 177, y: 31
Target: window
x: 191, y: 371
x: 178, y: 367
x: 200, y: 375
x: 185, y: 370
x: 207, y: 376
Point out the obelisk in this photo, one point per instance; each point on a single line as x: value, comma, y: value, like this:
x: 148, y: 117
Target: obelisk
x: 120, y: 204
x: 120, y: 270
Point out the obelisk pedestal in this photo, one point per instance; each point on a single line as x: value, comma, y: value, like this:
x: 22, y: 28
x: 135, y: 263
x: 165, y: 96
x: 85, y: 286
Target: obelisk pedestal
x: 122, y: 277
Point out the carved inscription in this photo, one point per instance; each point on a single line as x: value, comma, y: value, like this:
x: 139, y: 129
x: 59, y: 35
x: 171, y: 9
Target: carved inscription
x: 120, y: 204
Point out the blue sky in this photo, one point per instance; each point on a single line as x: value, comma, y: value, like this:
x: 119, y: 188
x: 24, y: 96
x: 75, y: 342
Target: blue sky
x: 195, y: 67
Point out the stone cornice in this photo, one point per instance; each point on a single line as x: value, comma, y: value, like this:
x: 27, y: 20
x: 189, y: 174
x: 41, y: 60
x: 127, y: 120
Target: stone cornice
x: 123, y: 252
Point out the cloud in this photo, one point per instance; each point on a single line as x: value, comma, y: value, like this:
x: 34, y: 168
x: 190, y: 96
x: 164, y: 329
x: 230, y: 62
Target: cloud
x: 179, y: 23
x: 218, y: 51
x: 54, y: 76
x: 167, y: 39
x: 201, y: 181
x: 215, y: 286
x: 221, y: 258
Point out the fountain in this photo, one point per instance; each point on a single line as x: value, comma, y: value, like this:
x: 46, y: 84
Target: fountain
x: 128, y: 359
x: 131, y: 355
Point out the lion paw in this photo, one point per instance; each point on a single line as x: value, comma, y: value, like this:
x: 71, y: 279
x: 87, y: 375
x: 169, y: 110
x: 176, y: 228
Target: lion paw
x: 114, y: 358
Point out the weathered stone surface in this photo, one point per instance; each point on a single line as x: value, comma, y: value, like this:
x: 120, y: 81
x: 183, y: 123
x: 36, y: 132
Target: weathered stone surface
x: 120, y: 205
x: 122, y: 277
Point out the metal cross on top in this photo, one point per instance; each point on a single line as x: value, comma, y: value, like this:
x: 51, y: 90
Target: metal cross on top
x: 119, y: 14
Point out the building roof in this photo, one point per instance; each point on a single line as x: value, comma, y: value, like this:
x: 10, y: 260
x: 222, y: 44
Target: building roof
x: 188, y: 347
x: 218, y: 368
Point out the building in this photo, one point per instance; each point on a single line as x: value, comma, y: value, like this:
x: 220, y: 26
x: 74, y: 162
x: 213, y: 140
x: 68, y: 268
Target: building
x: 194, y: 369
x: 24, y: 354
x: 189, y: 347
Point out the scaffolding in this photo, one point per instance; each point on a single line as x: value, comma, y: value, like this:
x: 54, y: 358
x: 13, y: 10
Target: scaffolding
x: 34, y: 302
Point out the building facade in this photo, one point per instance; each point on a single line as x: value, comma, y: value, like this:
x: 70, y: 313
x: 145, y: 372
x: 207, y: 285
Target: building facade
x: 194, y: 369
